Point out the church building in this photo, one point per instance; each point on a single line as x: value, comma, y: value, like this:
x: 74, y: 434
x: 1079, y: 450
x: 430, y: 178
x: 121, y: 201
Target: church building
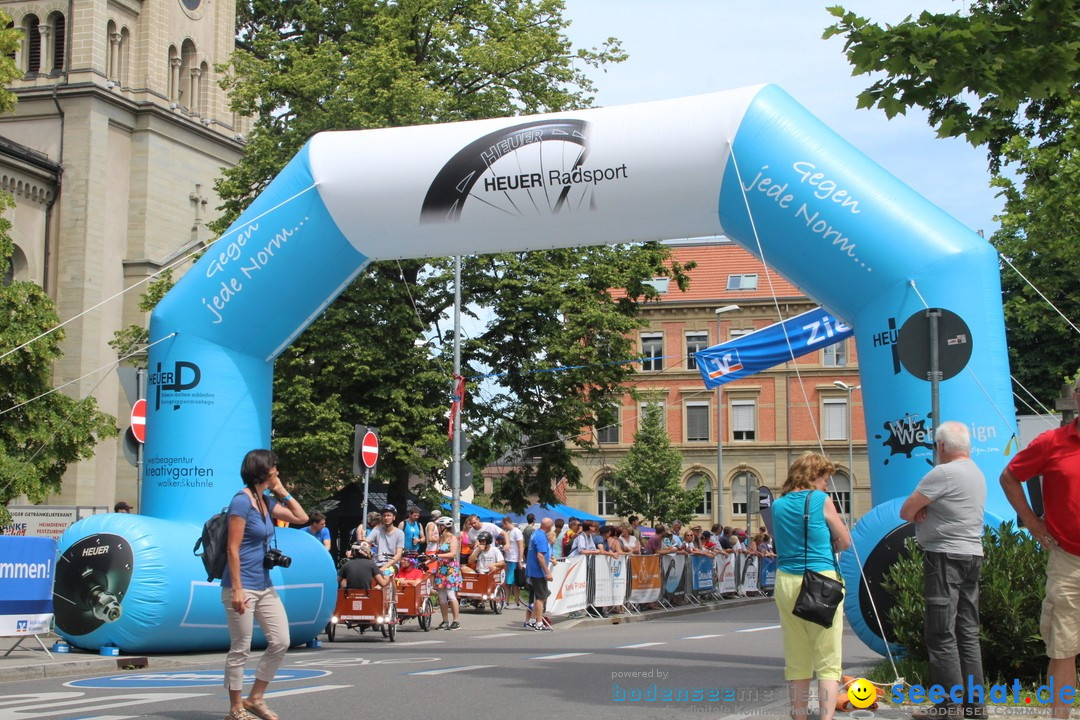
x: 111, y: 154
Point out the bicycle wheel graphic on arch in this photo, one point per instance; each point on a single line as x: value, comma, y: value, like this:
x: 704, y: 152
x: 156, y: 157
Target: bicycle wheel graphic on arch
x: 519, y: 171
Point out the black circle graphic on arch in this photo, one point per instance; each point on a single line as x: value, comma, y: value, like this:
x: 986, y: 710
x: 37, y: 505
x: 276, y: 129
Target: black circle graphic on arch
x: 954, y: 344
x: 450, y: 189
x: 875, y: 567
x: 92, y: 577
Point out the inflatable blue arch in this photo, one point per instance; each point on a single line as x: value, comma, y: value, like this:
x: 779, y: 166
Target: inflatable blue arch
x: 751, y: 164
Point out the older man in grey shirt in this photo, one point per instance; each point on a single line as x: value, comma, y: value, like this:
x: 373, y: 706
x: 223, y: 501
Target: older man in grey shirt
x: 947, y: 508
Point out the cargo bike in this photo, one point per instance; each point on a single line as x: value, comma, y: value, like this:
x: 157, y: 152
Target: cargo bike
x: 363, y: 610
x: 479, y: 589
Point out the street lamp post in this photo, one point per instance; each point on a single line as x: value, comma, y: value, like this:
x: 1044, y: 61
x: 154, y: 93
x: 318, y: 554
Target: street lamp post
x: 720, y: 425
x: 850, y: 448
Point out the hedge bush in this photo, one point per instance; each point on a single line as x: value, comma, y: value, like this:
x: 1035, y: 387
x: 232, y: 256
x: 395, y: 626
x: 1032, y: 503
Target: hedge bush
x: 1010, y: 601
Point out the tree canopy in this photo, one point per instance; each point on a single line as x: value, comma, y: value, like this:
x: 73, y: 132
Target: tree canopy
x: 380, y: 355
x: 1004, y: 75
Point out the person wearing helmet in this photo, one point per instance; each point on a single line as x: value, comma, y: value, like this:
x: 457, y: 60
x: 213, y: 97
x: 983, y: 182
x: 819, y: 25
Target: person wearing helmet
x: 448, y: 574
x: 485, y: 557
x: 360, y: 572
x: 408, y: 573
x: 389, y: 540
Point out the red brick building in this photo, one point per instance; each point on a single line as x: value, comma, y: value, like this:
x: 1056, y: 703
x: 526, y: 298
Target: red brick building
x: 766, y: 420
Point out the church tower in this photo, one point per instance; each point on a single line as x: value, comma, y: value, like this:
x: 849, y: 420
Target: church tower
x: 120, y: 130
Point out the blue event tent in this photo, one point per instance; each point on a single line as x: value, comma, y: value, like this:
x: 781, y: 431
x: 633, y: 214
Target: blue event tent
x: 468, y: 508
x: 555, y: 512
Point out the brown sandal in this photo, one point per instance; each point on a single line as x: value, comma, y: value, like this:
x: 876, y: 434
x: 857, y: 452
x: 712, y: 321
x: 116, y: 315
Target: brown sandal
x: 259, y: 709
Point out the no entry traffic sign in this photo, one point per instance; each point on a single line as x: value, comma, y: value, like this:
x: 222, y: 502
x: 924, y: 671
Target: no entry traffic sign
x: 138, y: 420
x: 369, y: 449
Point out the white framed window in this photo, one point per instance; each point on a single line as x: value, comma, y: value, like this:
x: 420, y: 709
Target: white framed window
x: 743, y: 419
x: 605, y: 504
x: 834, y: 419
x: 661, y: 410
x: 742, y: 483
x: 705, y: 508
x: 835, y: 355
x: 742, y: 282
x: 840, y: 491
x: 652, y: 352
x: 738, y: 332
x: 695, y: 342
x: 697, y: 422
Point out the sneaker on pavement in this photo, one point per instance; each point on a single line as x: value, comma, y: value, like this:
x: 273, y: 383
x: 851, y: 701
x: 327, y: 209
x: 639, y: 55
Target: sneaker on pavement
x: 542, y: 627
x: 454, y: 626
x: 443, y: 625
x: 528, y: 625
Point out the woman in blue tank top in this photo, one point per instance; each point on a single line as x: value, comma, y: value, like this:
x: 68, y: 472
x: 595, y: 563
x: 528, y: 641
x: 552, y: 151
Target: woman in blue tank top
x: 809, y: 649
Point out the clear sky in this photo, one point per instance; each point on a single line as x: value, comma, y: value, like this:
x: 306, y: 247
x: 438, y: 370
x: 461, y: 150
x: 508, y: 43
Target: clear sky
x: 690, y: 47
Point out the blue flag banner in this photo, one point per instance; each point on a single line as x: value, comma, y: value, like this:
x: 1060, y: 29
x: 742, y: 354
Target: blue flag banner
x: 769, y: 346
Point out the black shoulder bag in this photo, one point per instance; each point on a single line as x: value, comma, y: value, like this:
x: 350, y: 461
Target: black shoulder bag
x: 820, y: 595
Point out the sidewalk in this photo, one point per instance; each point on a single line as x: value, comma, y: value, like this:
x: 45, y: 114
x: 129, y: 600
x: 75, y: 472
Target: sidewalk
x: 29, y: 662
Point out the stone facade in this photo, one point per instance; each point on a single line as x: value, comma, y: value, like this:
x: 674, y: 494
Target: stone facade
x: 119, y: 133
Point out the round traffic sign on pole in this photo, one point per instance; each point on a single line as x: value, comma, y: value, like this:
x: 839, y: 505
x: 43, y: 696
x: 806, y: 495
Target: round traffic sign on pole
x: 369, y: 449
x: 138, y: 420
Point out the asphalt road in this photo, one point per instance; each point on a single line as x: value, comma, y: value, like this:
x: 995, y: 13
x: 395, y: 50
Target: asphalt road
x: 725, y: 663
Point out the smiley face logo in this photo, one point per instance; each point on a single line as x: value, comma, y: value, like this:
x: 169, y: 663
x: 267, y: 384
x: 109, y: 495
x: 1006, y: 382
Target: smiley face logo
x: 862, y: 693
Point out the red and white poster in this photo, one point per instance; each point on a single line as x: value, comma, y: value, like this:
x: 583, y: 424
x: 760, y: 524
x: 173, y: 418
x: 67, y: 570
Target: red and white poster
x: 569, y: 587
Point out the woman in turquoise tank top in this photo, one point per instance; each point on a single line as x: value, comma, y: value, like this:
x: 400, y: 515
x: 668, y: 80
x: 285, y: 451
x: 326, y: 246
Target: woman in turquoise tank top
x: 809, y: 649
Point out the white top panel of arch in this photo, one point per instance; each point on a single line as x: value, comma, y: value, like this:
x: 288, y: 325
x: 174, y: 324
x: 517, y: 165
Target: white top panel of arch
x: 631, y: 173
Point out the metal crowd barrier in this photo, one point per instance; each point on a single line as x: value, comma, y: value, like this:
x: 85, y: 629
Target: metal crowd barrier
x: 588, y: 583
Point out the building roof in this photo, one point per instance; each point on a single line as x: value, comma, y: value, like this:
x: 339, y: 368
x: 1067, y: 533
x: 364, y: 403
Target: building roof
x: 715, y: 264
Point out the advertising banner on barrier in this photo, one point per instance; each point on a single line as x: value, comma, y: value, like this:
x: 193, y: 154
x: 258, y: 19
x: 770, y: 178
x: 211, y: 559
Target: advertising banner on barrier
x: 26, y: 585
x: 703, y: 579
x: 569, y: 587
x: 609, y: 580
x: 767, y: 576
x: 674, y: 567
x: 748, y: 578
x: 725, y: 571
x: 644, y: 578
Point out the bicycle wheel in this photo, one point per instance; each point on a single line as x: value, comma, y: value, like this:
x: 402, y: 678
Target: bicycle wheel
x: 498, y: 600
x: 424, y: 618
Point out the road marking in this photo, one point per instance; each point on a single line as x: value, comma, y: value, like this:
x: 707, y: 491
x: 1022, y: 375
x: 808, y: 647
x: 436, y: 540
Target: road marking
x: 420, y: 642
x: 304, y: 690
x: 65, y: 703
x: 560, y: 656
x: 701, y: 637
x: 759, y: 629
x: 445, y: 671
x: 638, y: 645
x: 496, y: 635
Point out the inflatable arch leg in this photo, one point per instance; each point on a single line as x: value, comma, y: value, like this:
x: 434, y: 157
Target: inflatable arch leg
x: 749, y: 163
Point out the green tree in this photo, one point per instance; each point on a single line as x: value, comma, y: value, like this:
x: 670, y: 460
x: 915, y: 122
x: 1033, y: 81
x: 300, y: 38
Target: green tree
x: 40, y: 438
x: 646, y: 481
x: 321, y: 65
x: 1002, y: 74
x: 561, y: 331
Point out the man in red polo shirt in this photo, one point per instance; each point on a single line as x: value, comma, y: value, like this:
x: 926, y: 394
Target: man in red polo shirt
x: 1056, y: 456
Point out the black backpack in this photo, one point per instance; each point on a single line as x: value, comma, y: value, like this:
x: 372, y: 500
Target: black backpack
x: 215, y: 534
